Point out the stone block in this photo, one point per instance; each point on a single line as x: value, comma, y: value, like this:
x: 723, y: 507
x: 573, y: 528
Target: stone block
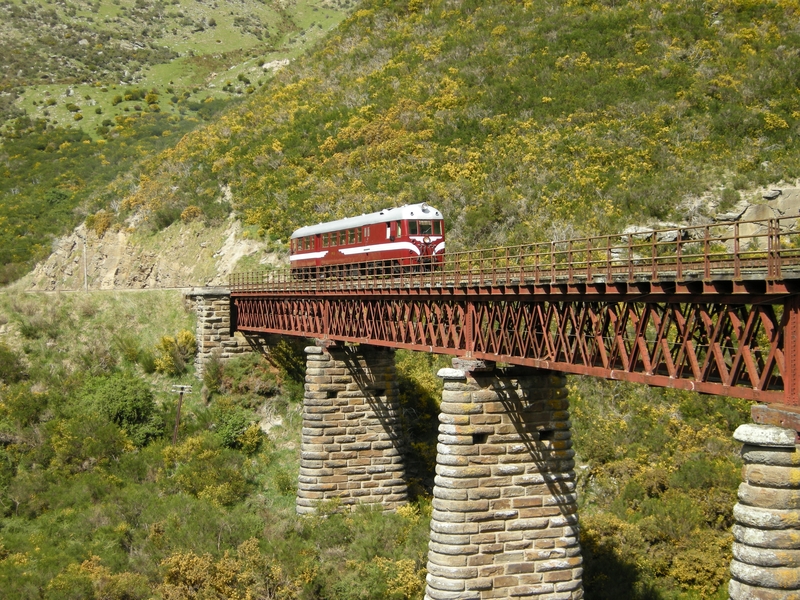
x: 520, y: 568
x: 460, y: 505
x: 574, y: 584
x: 452, y: 572
x: 772, y: 476
x: 766, y: 518
x: 452, y: 483
x: 481, y: 583
x: 460, y: 449
x: 741, y: 591
x: 443, y: 583
x: 766, y: 557
x: 463, y: 472
x: 433, y: 593
x: 769, y: 577
x: 765, y: 435
x: 483, y: 493
x: 452, y: 494
x: 505, y: 581
x: 761, y: 538
x: 480, y: 560
x: 785, y: 456
x: 450, y: 539
x: 769, y: 497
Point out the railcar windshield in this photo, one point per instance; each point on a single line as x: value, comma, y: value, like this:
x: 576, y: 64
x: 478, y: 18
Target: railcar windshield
x: 425, y: 227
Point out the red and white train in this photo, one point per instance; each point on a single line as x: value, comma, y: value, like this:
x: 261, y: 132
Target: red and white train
x: 409, y: 237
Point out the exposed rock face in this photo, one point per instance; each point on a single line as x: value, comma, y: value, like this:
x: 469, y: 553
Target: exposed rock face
x: 183, y: 255
x: 782, y: 204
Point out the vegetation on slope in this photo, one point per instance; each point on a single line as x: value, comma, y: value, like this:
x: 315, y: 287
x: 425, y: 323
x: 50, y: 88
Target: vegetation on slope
x: 87, y: 89
x: 96, y: 502
x: 658, y: 473
x: 519, y: 120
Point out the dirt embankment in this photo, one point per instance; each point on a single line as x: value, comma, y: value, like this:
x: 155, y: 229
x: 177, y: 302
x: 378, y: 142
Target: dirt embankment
x: 182, y: 255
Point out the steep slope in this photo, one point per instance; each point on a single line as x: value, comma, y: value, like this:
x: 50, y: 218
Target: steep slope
x: 184, y: 254
x: 519, y: 120
x: 89, y: 87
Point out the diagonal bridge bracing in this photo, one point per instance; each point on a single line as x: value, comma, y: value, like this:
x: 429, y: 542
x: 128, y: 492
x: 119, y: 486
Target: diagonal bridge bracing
x: 736, y: 349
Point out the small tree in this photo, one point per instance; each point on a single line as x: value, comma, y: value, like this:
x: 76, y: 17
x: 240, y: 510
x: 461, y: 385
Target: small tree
x: 129, y: 403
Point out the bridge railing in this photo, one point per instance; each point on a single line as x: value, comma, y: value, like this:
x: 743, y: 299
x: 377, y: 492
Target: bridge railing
x: 733, y: 251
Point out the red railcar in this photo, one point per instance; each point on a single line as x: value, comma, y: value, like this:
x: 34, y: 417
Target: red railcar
x: 409, y: 237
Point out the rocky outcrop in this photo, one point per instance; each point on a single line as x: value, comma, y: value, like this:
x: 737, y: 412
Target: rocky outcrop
x: 782, y: 204
x: 183, y: 255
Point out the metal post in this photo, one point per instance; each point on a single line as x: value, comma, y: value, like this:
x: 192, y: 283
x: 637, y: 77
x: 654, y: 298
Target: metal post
x: 791, y: 351
x: 179, y: 389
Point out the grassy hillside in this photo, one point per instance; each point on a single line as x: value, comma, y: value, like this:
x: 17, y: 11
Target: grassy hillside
x: 73, y: 58
x: 520, y: 120
x: 87, y: 89
x: 96, y: 501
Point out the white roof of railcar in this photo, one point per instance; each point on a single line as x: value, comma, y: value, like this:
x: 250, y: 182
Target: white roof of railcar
x: 407, y: 211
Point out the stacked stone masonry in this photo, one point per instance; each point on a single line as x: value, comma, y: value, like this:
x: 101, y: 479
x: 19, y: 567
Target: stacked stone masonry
x: 505, y: 519
x: 766, y: 547
x: 213, y: 308
x: 351, y: 446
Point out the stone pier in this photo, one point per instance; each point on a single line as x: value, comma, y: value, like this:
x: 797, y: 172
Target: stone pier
x: 351, y: 446
x: 505, y: 519
x: 213, y: 308
x: 766, y: 547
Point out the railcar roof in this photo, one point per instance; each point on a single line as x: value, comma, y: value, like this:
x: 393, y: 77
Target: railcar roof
x: 407, y: 211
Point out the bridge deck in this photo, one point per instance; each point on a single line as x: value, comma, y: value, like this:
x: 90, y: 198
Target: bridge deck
x: 717, y: 314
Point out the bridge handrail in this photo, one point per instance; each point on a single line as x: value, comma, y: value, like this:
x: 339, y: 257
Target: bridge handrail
x: 692, y: 252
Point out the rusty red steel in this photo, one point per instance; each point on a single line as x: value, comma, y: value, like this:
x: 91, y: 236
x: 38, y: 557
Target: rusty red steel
x: 719, y: 315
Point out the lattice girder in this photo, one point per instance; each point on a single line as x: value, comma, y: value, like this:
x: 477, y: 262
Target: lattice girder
x: 710, y: 346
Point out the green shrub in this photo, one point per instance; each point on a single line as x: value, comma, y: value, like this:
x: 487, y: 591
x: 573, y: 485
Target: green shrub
x: 230, y: 422
x: 213, y: 373
x: 285, y: 482
x: 200, y: 467
x: 173, y: 353
x: 12, y: 369
x: 128, y: 402
x: 100, y: 222
x: 84, y: 440
x: 248, y: 375
x: 22, y: 406
x: 127, y: 344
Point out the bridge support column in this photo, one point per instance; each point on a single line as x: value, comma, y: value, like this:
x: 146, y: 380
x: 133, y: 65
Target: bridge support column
x: 350, y: 442
x: 766, y: 547
x: 504, y: 510
x: 214, y: 336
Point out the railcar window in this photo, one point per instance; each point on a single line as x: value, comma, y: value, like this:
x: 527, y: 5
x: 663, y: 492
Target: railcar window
x: 358, y: 235
x: 351, y: 236
x: 425, y: 228
x: 412, y: 228
x: 437, y: 228
x: 334, y: 239
x: 324, y: 240
x: 366, y: 232
x: 399, y: 229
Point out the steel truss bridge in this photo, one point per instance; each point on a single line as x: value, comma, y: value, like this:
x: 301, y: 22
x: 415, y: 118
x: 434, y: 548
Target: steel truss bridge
x: 714, y: 309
